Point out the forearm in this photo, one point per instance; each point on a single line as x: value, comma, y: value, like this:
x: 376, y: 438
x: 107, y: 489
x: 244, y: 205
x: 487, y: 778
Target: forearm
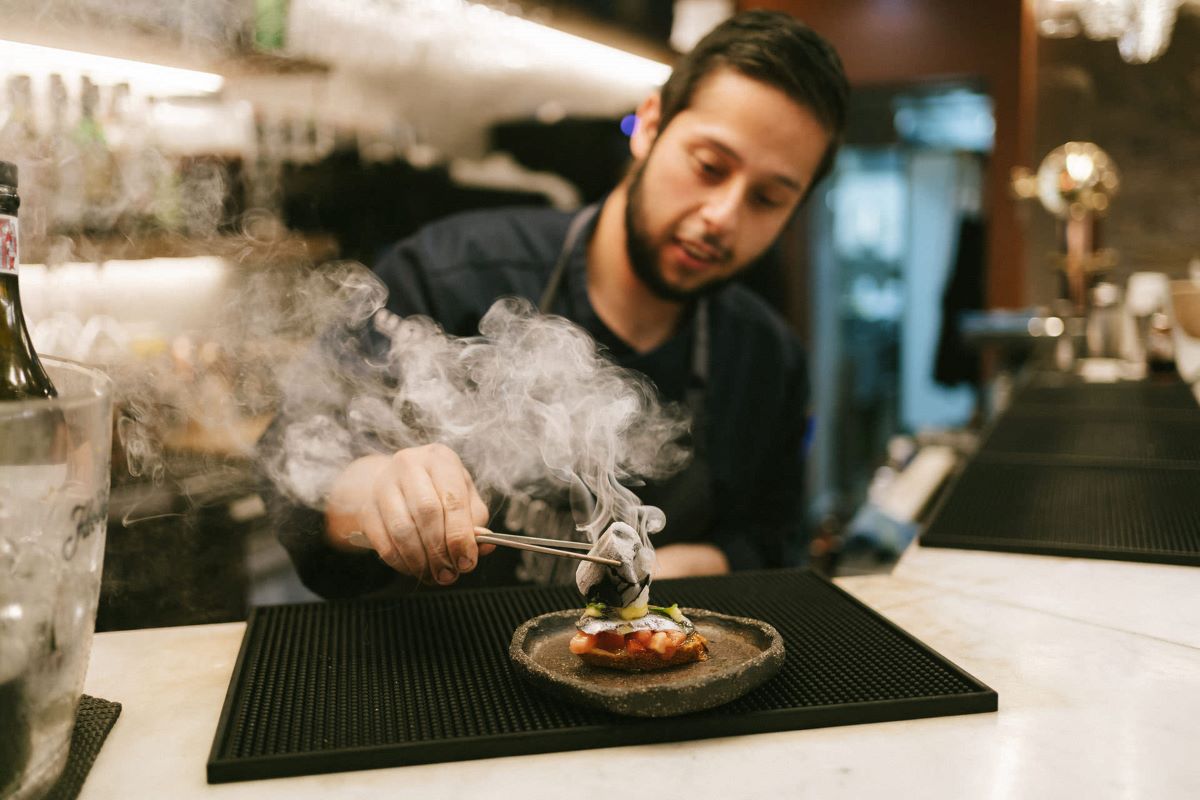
x: 325, y: 570
x: 688, y: 559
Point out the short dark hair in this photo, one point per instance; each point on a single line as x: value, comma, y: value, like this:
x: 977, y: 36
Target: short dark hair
x: 779, y: 50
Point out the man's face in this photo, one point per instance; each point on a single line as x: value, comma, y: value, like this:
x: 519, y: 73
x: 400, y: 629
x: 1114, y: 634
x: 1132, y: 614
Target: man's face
x: 713, y: 190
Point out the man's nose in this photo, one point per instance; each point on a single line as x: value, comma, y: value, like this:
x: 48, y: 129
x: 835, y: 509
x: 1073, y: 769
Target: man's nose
x: 721, y: 208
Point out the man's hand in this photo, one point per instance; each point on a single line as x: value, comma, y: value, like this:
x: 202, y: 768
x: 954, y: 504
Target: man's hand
x: 418, y: 508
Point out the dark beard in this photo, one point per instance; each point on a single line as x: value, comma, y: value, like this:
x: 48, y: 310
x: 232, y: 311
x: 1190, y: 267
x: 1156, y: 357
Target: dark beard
x: 644, y: 258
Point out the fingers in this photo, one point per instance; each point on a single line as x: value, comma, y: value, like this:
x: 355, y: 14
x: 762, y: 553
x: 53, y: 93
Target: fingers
x: 479, y: 514
x: 429, y: 504
x: 400, y: 533
x: 418, y: 509
x: 450, y: 477
x: 376, y: 532
x: 423, y: 501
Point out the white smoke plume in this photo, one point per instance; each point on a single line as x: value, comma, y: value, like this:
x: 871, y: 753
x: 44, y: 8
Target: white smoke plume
x: 530, y: 401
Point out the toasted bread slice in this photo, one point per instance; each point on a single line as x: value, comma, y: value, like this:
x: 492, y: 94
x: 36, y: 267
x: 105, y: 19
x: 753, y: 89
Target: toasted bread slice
x: 693, y: 648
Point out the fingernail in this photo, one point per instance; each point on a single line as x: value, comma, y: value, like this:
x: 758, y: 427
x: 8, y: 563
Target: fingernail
x: 464, y: 563
x: 445, y: 576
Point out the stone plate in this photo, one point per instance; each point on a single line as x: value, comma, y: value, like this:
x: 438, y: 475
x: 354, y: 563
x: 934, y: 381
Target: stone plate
x: 743, y: 654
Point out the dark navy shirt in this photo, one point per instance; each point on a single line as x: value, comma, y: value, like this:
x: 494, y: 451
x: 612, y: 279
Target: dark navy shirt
x: 756, y: 400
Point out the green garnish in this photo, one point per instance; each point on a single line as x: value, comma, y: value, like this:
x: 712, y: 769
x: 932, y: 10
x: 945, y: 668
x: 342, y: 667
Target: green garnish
x: 672, y: 611
x: 631, y: 612
x: 599, y: 610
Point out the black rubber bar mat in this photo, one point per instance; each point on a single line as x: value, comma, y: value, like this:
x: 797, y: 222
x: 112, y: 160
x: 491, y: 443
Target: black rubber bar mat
x: 1143, y: 438
x: 348, y: 685
x: 1122, y: 513
x: 1078, y: 396
x: 93, y: 721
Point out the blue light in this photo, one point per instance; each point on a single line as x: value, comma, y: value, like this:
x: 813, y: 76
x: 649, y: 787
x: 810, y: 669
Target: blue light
x: 628, y: 123
x: 957, y: 119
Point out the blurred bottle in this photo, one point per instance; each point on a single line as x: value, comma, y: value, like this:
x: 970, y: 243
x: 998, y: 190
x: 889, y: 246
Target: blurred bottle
x: 21, y: 372
x: 96, y: 161
x: 64, y: 174
x: 140, y: 167
x: 270, y: 25
x: 19, y: 143
x: 1104, y: 321
x: 265, y: 174
x: 18, y: 135
x: 1160, y: 344
x: 163, y: 172
x: 113, y: 119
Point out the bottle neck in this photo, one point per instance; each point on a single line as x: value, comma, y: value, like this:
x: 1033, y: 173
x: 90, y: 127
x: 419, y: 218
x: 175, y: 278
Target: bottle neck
x: 10, y: 240
x: 21, y: 372
x: 12, y: 321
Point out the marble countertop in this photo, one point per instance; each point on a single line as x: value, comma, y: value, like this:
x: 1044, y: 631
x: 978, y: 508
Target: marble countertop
x: 1096, y: 663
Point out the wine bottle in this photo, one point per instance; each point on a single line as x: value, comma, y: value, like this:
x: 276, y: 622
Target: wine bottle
x: 35, y: 453
x: 15, y: 744
x: 21, y: 373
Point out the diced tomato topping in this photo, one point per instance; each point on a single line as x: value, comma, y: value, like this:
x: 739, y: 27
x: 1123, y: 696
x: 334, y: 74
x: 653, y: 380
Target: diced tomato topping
x: 610, y: 641
x: 665, y: 643
x: 582, y: 643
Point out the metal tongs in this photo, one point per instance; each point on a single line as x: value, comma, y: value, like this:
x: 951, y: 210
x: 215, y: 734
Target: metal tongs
x: 548, y: 546
x: 551, y: 547
x: 583, y: 504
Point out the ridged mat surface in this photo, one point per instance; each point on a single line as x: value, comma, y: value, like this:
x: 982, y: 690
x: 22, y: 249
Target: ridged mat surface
x: 358, y: 684
x: 1124, y: 513
x: 1103, y: 437
x: 1045, y: 391
x: 1099, y: 471
x: 94, y: 718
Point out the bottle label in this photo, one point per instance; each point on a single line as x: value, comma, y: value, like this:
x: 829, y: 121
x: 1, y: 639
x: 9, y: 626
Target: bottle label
x: 9, y: 255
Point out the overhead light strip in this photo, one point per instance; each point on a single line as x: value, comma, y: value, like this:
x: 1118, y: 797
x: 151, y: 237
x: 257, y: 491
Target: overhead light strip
x: 19, y: 58
x: 569, y: 49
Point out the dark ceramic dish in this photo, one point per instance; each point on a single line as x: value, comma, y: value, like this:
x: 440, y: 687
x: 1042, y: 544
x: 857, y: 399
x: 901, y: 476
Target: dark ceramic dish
x: 743, y: 654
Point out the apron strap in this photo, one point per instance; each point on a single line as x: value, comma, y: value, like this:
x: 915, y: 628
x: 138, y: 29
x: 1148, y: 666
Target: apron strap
x: 697, y: 387
x: 578, y: 223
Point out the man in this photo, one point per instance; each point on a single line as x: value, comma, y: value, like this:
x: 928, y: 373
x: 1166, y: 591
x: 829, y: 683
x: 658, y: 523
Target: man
x: 723, y: 156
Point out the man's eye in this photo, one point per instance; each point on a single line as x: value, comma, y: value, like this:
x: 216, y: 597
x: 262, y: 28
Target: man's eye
x: 765, y: 200
x: 708, y: 169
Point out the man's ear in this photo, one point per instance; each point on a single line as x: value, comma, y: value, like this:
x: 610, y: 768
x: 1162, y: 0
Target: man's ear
x: 646, y: 130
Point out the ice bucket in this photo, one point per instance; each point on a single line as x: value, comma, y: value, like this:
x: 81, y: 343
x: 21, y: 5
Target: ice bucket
x: 54, y: 479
